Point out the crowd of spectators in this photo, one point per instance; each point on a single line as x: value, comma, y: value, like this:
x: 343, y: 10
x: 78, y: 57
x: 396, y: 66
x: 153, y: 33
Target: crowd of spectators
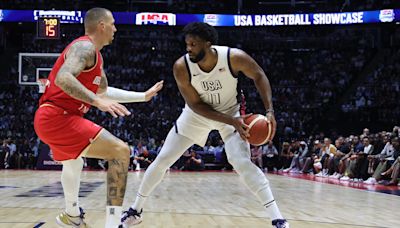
x: 377, y: 103
x: 371, y: 158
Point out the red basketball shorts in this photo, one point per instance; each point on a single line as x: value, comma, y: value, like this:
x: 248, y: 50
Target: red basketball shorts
x: 67, y: 135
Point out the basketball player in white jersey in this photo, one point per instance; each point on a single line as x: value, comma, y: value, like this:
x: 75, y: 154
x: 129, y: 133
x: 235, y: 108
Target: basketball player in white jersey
x: 207, y: 79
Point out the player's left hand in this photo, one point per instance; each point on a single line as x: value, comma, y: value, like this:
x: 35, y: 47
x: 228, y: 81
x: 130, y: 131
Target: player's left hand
x: 271, y: 117
x: 241, y: 127
x: 150, y: 93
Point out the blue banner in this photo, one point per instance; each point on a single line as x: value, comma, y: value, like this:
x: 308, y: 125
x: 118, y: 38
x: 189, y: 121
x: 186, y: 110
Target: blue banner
x: 170, y: 19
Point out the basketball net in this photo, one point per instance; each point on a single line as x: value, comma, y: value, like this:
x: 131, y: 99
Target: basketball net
x: 43, y: 83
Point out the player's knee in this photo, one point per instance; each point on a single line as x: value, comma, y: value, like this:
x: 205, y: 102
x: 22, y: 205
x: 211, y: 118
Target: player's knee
x: 122, y: 151
x: 164, y: 161
x: 72, y: 166
x: 239, y: 164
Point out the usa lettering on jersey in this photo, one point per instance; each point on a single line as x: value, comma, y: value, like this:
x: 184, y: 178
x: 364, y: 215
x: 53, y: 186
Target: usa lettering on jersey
x: 211, y: 85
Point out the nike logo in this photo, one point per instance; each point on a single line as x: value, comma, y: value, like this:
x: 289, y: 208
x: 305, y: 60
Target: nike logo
x: 194, y: 75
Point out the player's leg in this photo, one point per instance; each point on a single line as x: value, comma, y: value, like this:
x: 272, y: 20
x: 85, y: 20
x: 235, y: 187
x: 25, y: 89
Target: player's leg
x: 238, y: 152
x: 108, y: 147
x: 174, y: 146
x: 70, y: 180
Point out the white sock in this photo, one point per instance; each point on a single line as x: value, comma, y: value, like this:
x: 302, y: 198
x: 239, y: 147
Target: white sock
x: 238, y: 153
x: 139, y: 201
x: 270, y: 205
x: 72, y: 208
x: 113, y: 216
x: 70, y: 180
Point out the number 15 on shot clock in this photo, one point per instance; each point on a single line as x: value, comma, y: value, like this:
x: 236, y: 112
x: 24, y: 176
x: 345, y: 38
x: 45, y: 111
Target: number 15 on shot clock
x: 48, y: 28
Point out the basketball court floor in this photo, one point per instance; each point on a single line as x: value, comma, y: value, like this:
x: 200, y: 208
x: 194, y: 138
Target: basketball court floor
x: 192, y: 199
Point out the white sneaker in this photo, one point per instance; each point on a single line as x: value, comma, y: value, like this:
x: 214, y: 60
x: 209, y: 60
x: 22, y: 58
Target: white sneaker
x: 370, y: 180
x: 137, y: 167
x: 286, y: 170
x: 334, y: 175
x: 130, y: 218
x: 320, y: 174
x: 65, y: 220
x: 294, y: 170
x: 280, y: 223
x: 345, y: 178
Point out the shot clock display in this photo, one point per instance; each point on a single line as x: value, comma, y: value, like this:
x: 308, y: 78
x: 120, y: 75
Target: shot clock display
x: 48, y: 28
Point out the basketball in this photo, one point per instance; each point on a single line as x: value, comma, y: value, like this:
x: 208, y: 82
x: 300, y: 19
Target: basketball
x: 260, y: 129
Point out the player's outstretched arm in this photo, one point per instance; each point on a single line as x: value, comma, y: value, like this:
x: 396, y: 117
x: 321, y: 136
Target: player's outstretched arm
x: 194, y: 101
x: 124, y: 96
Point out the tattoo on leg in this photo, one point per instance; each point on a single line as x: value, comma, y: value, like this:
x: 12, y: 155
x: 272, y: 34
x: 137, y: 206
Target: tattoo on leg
x: 116, y: 182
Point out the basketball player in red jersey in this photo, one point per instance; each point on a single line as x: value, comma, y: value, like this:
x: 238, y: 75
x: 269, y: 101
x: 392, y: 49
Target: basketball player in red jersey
x: 78, y: 81
x: 207, y: 78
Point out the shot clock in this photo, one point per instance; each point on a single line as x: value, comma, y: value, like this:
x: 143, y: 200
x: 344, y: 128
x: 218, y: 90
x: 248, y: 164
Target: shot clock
x: 48, y: 28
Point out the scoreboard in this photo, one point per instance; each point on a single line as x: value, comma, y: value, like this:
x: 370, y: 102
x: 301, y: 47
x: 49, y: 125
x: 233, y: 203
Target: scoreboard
x: 48, y: 28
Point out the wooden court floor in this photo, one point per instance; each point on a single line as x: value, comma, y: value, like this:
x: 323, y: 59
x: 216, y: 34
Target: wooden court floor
x: 192, y: 199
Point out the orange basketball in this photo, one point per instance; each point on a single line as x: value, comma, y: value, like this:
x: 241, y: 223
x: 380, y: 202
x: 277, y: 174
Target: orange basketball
x: 261, y: 129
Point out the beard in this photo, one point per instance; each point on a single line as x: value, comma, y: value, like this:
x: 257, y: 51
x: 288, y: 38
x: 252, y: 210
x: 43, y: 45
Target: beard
x: 198, y: 57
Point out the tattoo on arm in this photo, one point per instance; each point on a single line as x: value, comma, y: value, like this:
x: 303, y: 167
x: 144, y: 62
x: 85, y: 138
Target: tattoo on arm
x: 103, y: 84
x: 80, y: 55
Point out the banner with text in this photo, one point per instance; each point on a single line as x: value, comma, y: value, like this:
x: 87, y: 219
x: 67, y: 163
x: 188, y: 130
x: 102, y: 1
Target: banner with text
x: 170, y: 19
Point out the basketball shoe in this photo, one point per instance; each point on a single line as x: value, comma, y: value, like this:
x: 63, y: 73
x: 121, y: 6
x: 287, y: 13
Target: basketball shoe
x: 130, y: 217
x: 280, y: 223
x: 65, y: 220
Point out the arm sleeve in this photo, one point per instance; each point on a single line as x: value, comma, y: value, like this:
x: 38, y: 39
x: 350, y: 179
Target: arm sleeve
x: 124, y: 96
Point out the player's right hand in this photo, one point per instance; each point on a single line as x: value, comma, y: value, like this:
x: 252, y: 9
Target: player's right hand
x: 112, y: 107
x: 150, y: 93
x: 241, y: 127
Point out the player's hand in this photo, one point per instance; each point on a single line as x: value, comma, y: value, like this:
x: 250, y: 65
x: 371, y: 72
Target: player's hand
x: 270, y: 117
x: 112, y: 107
x: 241, y: 127
x: 150, y: 93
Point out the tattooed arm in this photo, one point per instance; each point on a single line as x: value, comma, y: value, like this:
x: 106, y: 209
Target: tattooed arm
x: 81, y: 54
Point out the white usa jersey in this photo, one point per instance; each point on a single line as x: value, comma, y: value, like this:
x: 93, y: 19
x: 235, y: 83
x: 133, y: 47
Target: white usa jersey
x: 219, y: 87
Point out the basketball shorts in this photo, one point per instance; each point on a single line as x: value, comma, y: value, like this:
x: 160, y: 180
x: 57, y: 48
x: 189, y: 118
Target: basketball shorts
x: 67, y: 135
x: 197, y: 127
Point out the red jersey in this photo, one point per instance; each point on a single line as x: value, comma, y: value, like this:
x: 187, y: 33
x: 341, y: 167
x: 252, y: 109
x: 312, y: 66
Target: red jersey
x: 90, y: 78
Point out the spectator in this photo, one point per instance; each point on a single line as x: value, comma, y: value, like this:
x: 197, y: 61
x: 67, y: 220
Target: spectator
x: 342, y: 149
x: 299, y: 159
x: 256, y: 156
x: 328, y: 152
x: 314, y: 159
x: 145, y: 159
x: 394, y: 170
x: 270, y: 156
x: 194, y: 163
x: 286, y: 155
x: 361, y: 167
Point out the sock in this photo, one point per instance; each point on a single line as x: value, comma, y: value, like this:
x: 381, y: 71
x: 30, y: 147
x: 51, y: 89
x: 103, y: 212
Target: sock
x: 113, y: 216
x: 238, y: 153
x: 72, y: 208
x: 139, y: 201
x: 270, y: 205
x: 70, y: 180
